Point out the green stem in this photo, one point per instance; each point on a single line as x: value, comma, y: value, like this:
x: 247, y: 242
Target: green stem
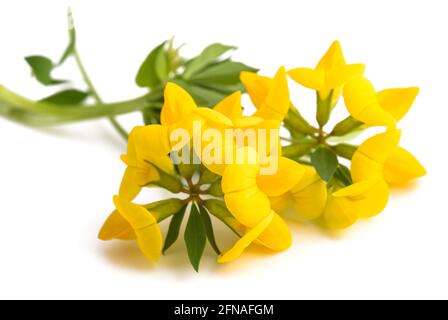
x: 96, y: 96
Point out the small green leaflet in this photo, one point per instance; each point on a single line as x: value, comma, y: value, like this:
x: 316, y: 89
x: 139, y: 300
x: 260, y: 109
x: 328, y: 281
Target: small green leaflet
x: 224, y: 73
x: 202, y: 96
x: 208, y: 56
x: 324, y: 108
x: 345, y: 150
x: 195, y: 237
x: 209, y: 229
x: 325, y: 162
x: 67, y: 97
x: 346, y: 126
x: 42, y: 68
x: 174, y: 228
x: 343, y: 175
x: 155, y: 69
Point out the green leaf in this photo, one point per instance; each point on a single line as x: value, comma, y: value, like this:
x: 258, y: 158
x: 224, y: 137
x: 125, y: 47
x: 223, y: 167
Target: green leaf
x: 345, y: 150
x: 209, y: 229
x: 325, y: 162
x: 207, y: 177
x: 208, y: 56
x: 216, y: 189
x: 174, y: 228
x: 167, y: 181
x: 324, y: 108
x: 203, y: 96
x: 225, y: 73
x: 67, y: 97
x: 343, y: 175
x: 154, y: 69
x: 221, y: 88
x: 42, y: 68
x: 195, y: 237
x: 298, y: 150
x: 164, y: 209
x: 72, y: 39
x: 219, y: 209
x: 295, y: 122
x: 346, y: 126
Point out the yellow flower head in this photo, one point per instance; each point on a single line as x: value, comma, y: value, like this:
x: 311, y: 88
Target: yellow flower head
x: 131, y: 221
x: 331, y: 73
x: 270, y: 96
x: 381, y: 157
x: 361, y: 200
x: 384, y: 108
x: 147, y: 147
x: 252, y: 131
x: 180, y: 111
x: 308, y: 197
x: 246, y: 193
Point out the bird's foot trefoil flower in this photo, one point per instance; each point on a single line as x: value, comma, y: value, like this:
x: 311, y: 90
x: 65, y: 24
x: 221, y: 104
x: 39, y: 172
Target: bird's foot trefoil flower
x: 226, y: 165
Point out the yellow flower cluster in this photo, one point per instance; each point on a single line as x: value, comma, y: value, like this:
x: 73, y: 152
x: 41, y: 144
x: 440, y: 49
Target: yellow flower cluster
x: 255, y: 200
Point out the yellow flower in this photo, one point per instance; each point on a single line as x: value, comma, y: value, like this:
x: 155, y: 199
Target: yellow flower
x: 331, y: 73
x: 247, y: 198
x: 131, y: 221
x: 308, y: 197
x: 381, y: 157
x: 361, y: 200
x: 180, y: 111
x: 384, y: 108
x: 231, y: 108
x: 147, y: 147
x: 270, y: 96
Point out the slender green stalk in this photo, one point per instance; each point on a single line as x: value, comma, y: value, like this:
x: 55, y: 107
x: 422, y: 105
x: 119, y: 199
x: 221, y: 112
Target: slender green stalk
x: 96, y: 96
x: 36, y: 113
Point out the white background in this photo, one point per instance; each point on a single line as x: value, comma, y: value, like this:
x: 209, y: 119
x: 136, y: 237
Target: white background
x: 56, y: 184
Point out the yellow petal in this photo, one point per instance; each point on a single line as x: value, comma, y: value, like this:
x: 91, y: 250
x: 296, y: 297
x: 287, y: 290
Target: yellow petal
x: 257, y: 87
x: 287, y: 176
x: 364, y: 168
x: 333, y: 57
x: 340, y: 213
x: 368, y: 197
x: 345, y: 74
x: 397, y: 102
x: 381, y: 146
x: 368, y: 161
x: 280, y: 204
x: 248, y: 206
x: 358, y: 94
x: 116, y: 227
x: 362, y: 103
x: 149, y: 236
x: 247, y: 122
x: 231, y: 106
x: 402, y: 167
x: 134, y: 179
x: 310, y: 195
x: 373, y: 115
x: 241, y: 176
x: 178, y: 105
x: 276, y: 236
x: 213, y: 117
x: 310, y: 78
x: 277, y: 102
x: 237, y: 249
x: 153, y: 145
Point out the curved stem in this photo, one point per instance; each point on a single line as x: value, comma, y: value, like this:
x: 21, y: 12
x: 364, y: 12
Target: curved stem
x: 96, y: 96
x: 35, y: 113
